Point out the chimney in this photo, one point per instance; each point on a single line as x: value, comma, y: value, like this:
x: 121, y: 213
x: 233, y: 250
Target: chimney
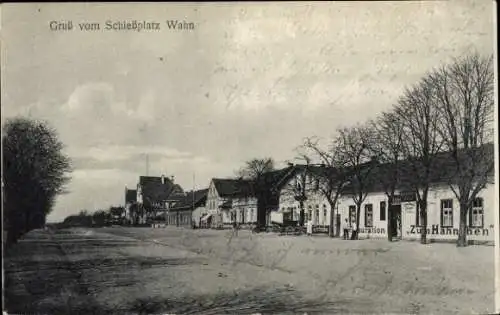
x: 163, y: 179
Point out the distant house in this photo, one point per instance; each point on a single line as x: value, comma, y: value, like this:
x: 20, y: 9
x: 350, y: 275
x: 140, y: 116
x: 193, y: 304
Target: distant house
x: 188, y: 210
x: 247, y: 202
x: 301, y: 185
x: 155, y: 195
x: 230, y: 200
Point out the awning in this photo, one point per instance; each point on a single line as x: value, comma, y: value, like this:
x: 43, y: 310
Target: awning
x: 206, y: 217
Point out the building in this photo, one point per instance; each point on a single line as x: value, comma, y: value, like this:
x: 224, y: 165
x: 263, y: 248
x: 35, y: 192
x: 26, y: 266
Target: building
x: 443, y: 207
x: 188, y: 211
x: 229, y: 201
x: 299, y: 193
x: 155, y: 195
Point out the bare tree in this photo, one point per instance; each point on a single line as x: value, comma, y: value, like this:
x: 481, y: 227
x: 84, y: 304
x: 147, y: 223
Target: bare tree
x: 254, y: 168
x: 387, y: 132
x: 352, y: 144
x: 331, y: 175
x: 465, y: 98
x: 253, y: 172
x: 420, y: 118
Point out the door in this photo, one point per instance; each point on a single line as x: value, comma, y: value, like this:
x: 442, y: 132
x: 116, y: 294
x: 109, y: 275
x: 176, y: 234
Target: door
x: 395, y: 220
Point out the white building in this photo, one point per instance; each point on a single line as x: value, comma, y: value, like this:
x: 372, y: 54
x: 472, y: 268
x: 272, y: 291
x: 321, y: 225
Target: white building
x: 229, y: 201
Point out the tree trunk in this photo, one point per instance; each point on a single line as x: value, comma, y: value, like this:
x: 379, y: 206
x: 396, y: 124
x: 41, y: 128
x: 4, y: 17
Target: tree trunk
x: 358, y: 213
x: 462, y: 231
x: 331, y: 231
x: 389, y: 221
x: 302, y: 212
x: 423, y: 209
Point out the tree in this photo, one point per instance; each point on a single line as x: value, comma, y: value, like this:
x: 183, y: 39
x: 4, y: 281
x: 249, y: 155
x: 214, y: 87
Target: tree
x: 253, y: 172
x: 353, y: 149
x: 254, y: 168
x: 417, y: 111
x: 331, y: 175
x: 99, y: 217
x: 34, y: 172
x: 464, y: 92
x: 388, y: 135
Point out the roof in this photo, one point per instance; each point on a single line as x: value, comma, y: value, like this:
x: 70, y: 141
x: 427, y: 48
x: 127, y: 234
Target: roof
x: 443, y: 169
x: 130, y: 195
x: 198, y: 198
x: 229, y: 187
x: 382, y: 175
x: 158, y: 189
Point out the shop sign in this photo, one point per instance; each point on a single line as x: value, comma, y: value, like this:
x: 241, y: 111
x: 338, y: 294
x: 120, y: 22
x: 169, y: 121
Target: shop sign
x: 436, y: 230
x: 372, y: 230
x: 408, y: 196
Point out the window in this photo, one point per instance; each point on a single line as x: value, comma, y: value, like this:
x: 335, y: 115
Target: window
x: 309, y: 214
x: 352, y: 213
x: 447, y: 213
x: 316, y: 219
x: 476, y: 214
x: 382, y: 210
x: 324, y: 211
x: 369, y: 215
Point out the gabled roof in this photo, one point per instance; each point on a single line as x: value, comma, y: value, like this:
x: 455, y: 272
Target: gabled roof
x: 228, y: 187
x: 158, y: 189
x: 198, y: 198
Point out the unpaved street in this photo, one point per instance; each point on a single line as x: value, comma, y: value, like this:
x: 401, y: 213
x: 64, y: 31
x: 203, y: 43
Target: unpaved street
x: 143, y: 270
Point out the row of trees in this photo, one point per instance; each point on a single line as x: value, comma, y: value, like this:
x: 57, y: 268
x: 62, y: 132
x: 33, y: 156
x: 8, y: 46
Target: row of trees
x: 113, y: 215
x: 448, y: 112
x: 34, y: 172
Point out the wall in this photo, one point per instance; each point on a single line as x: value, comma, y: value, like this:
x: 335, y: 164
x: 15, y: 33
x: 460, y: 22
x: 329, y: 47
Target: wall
x: 408, y: 216
x: 196, y: 215
x: 212, y: 205
x: 179, y: 218
x: 435, y: 231
x: 315, y: 201
x: 379, y: 227
x: 245, y: 209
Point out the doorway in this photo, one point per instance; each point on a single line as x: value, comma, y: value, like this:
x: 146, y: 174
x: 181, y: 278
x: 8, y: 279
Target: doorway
x: 395, y: 221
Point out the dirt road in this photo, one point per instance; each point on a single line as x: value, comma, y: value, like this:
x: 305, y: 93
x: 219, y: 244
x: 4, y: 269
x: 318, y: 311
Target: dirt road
x: 142, y: 270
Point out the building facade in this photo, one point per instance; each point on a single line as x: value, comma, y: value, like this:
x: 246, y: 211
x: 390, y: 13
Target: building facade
x: 230, y: 201
x: 443, y: 215
x: 155, y: 195
x: 181, y: 213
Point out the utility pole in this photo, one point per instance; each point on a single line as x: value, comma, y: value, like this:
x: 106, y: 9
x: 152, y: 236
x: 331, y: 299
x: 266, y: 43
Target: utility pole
x: 147, y: 164
x: 192, y: 210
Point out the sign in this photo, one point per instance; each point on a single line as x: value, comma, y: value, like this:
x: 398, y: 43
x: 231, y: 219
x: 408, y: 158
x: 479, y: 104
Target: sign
x: 408, y: 196
x: 435, y: 230
x: 372, y: 230
x: 405, y: 196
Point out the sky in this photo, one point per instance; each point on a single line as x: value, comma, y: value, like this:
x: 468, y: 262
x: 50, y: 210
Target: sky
x: 250, y: 80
